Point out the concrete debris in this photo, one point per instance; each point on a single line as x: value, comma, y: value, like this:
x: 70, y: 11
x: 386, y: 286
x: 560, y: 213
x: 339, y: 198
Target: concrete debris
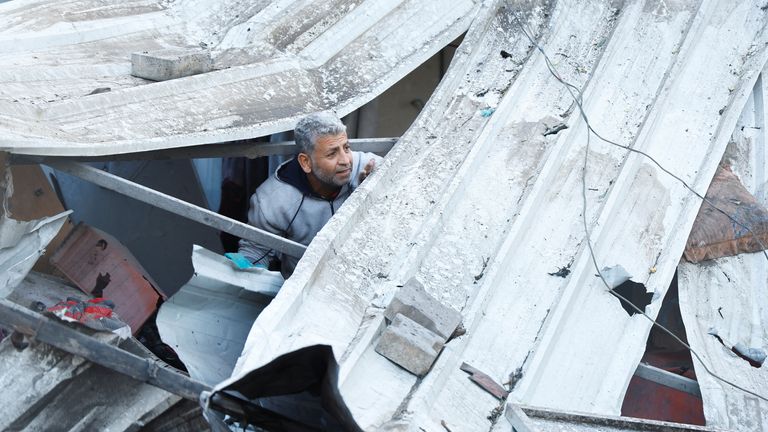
x: 21, y: 244
x: 723, y: 302
x: 170, y: 64
x: 553, y: 130
x: 102, y: 266
x: 413, y: 301
x: 50, y: 389
x: 410, y: 345
x: 524, y: 418
x: 615, y: 276
x: 496, y: 187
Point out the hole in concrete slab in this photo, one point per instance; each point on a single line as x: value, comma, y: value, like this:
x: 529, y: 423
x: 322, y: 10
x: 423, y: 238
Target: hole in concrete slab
x: 652, y: 400
x: 635, y: 293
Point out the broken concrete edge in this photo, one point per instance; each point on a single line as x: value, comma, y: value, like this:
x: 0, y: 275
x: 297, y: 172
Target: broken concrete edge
x: 519, y: 419
x: 413, y: 301
x: 334, y: 232
x: 28, y: 239
x: 534, y: 414
x: 410, y: 345
x: 290, y: 297
x: 168, y: 64
x: 6, y: 183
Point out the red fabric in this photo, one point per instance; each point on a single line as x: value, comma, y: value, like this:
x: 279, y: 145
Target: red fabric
x: 93, y: 309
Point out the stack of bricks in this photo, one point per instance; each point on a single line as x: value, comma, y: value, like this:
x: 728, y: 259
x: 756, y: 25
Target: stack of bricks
x: 419, y: 327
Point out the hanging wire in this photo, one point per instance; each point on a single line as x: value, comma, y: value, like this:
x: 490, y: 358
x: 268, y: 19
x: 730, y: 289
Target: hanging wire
x: 577, y: 98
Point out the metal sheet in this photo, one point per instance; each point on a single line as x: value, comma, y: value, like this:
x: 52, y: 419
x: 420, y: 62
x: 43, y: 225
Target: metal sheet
x: 481, y: 206
x: 274, y: 61
x: 21, y: 244
x: 207, y: 322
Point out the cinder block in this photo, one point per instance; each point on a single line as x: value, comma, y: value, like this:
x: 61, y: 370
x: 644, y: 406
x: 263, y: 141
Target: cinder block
x: 415, y: 303
x: 409, y: 345
x: 169, y: 64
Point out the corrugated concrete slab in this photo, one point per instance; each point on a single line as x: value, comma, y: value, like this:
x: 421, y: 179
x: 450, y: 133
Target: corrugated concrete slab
x: 66, y: 88
x: 726, y: 296
x: 484, y: 207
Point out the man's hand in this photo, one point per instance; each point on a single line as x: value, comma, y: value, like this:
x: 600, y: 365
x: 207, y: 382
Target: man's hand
x: 367, y: 170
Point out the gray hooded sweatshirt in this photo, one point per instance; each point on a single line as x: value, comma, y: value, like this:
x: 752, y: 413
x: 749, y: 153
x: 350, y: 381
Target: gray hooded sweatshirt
x: 286, y: 205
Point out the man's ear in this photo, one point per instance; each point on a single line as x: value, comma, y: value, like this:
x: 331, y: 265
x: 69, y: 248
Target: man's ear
x: 305, y: 162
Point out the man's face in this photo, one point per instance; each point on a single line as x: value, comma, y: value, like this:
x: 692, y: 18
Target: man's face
x: 332, y: 160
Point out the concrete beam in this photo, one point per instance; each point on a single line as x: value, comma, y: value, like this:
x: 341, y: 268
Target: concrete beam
x: 168, y: 64
x: 243, y: 148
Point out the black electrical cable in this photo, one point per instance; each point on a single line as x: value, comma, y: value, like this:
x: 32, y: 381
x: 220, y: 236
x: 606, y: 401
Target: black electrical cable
x: 590, y: 130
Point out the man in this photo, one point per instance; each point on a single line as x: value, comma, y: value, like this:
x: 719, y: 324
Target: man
x: 303, y: 194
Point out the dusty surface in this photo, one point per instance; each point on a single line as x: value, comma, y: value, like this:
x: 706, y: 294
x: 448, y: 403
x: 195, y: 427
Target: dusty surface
x: 726, y: 297
x: 481, y: 206
x: 66, y: 88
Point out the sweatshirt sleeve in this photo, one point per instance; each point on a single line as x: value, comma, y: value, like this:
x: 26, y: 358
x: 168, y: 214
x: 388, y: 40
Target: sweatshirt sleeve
x: 252, y: 251
x: 359, y: 160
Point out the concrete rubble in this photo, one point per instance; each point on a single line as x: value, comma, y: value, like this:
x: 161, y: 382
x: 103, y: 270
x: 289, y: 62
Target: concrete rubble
x: 480, y: 206
x: 165, y: 65
x: 413, y: 302
x: 410, y: 345
x: 565, y: 135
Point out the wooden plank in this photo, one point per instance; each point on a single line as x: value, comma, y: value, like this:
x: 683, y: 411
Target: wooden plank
x: 68, y: 339
x: 179, y: 207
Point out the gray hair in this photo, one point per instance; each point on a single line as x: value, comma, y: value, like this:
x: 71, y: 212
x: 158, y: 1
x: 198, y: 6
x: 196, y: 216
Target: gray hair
x: 313, y: 126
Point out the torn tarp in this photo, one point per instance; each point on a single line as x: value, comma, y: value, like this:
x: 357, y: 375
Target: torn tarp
x: 737, y: 224
x: 296, y: 392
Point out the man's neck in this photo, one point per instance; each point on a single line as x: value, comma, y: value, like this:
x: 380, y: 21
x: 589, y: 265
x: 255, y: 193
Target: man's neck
x: 324, y: 190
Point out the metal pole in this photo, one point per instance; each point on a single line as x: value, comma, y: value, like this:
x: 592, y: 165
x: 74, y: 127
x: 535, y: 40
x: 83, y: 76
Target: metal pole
x: 179, y: 207
x: 244, y: 148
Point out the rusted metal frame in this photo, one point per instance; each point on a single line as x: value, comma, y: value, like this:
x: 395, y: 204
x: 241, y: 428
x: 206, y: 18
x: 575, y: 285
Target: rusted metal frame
x: 668, y: 379
x: 179, y: 207
x: 65, y: 338
x: 41, y: 328
x: 244, y: 148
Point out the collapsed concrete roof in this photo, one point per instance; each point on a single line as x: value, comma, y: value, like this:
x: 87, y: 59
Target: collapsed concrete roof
x: 723, y: 302
x: 274, y: 61
x: 483, y: 205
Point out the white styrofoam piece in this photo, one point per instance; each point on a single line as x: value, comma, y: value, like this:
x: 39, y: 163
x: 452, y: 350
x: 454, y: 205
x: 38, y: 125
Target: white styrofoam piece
x: 207, y: 321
